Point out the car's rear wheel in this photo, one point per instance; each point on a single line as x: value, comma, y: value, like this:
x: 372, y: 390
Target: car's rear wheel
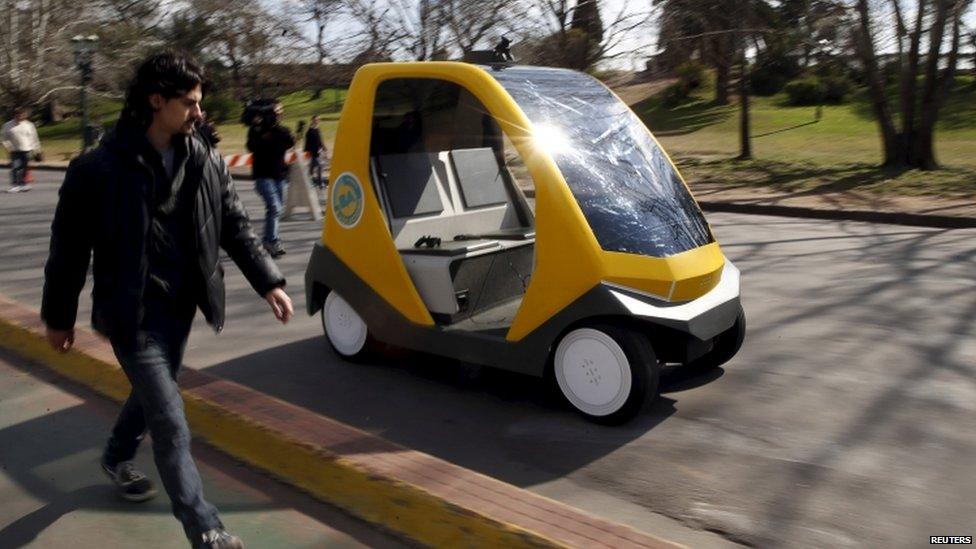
x: 344, y: 328
x: 606, y: 372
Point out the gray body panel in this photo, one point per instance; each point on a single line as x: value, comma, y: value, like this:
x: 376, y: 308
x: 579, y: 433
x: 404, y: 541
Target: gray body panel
x: 488, y: 347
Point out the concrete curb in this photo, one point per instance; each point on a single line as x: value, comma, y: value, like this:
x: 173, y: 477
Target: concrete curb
x: 894, y: 218
x: 416, y: 495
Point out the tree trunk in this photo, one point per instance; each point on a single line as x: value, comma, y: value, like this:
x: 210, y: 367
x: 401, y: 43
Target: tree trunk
x: 909, y: 83
x: 936, y: 86
x: 745, y: 141
x: 723, y: 62
x: 320, y: 50
x: 879, y: 102
x: 722, y: 72
x: 972, y: 40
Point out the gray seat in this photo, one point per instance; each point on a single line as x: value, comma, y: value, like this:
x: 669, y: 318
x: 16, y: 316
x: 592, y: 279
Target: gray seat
x: 414, y: 192
x: 479, y: 176
x: 460, y: 193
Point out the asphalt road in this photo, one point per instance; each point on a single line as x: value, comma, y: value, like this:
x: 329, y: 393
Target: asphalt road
x: 847, y: 419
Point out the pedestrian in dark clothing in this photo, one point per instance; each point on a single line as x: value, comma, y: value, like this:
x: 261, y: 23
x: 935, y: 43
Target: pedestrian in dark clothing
x: 268, y: 142
x: 151, y: 205
x: 315, y: 149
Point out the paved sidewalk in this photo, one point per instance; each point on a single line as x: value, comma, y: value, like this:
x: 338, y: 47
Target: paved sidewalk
x: 921, y: 211
x: 54, y: 494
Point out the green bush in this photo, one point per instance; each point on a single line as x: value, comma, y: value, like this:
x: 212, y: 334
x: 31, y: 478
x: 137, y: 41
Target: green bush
x: 805, y: 91
x: 813, y: 90
x: 221, y: 107
x: 675, y: 94
x: 836, y: 88
x: 771, y: 73
x: 691, y: 74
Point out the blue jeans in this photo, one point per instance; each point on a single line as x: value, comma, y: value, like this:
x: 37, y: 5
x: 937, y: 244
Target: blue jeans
x: 273, y: 193
x: 315, y: 170
x: 18, y: 167
x: 155, y: 404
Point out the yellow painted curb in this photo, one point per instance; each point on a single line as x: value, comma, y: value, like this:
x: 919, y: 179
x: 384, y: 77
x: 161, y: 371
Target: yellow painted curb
x: 394, y: 505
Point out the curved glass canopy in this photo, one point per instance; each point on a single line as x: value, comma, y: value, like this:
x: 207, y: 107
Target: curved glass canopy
x: 629, y: 191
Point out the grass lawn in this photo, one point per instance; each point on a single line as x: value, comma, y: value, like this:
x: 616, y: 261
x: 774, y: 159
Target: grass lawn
x: 793, y: 151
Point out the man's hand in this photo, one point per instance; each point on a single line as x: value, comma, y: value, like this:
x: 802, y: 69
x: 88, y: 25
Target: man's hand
x: 61, y: 340
x: 280, y: 304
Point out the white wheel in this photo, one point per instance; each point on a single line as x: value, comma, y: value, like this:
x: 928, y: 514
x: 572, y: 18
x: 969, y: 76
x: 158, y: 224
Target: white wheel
x: 605, y: 372
x: 592, y: 371
x: 343, y: 326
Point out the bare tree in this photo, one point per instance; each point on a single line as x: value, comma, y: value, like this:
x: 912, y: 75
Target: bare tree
x: 35, y: 47
x: 912, y: 144
x: 33, y: 38
x: 716, y: 30
x: 566, y: 45
x: 242, y: 35
x: 320, y: 13
x: 972, y: 42
x: 379, y: 32
x: 472, y: 22
x: 421, y: 27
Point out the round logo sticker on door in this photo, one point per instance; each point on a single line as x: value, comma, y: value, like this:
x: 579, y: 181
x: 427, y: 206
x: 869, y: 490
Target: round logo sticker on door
x: 347, y: 200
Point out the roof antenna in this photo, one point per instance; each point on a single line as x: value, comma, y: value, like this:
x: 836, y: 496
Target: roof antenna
x: 503, y: 51
x: 497, y: 58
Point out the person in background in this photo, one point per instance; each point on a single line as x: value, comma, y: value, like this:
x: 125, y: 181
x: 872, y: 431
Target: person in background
x: 19, y: 137
x: 316, y: 150
x: 268, y: 141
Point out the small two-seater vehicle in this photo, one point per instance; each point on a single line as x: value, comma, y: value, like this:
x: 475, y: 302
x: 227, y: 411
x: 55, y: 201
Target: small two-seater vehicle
x: 430, y: 242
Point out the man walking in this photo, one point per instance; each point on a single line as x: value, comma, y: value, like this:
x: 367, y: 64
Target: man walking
x: 315, y: 148
x: 152, y: 204
x: 19, y: 137
x: 268, y: 140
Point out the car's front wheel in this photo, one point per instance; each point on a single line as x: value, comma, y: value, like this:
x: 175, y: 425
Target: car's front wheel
x: 606, y: 372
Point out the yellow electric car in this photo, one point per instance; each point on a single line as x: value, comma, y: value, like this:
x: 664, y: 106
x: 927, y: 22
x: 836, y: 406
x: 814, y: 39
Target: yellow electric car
x: 431, y: 244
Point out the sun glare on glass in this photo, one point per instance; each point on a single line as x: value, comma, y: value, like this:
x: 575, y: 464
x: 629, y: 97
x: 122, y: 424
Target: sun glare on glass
x: 551, y: 138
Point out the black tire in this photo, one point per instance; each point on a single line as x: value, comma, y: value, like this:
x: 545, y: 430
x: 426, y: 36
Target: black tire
x: 727, y: 345
x: 643, y: 368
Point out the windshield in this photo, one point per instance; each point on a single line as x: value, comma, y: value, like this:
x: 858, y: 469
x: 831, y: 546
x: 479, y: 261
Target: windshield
x: 627, y: 188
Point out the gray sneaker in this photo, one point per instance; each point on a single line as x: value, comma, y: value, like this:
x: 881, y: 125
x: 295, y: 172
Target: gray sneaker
x: 274, y: 249
x: 130, y: 482
x: 218, y: 538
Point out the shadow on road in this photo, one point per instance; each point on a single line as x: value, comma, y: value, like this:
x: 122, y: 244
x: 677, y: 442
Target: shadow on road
x: 475, y: 417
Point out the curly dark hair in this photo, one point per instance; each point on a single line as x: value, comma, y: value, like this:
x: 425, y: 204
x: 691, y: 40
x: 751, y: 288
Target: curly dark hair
x: 170, y: 74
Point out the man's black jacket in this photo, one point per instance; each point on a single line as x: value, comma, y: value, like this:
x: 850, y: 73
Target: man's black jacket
x: 313, y: 141
x: 268, y: 147
x: 103, y: 212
